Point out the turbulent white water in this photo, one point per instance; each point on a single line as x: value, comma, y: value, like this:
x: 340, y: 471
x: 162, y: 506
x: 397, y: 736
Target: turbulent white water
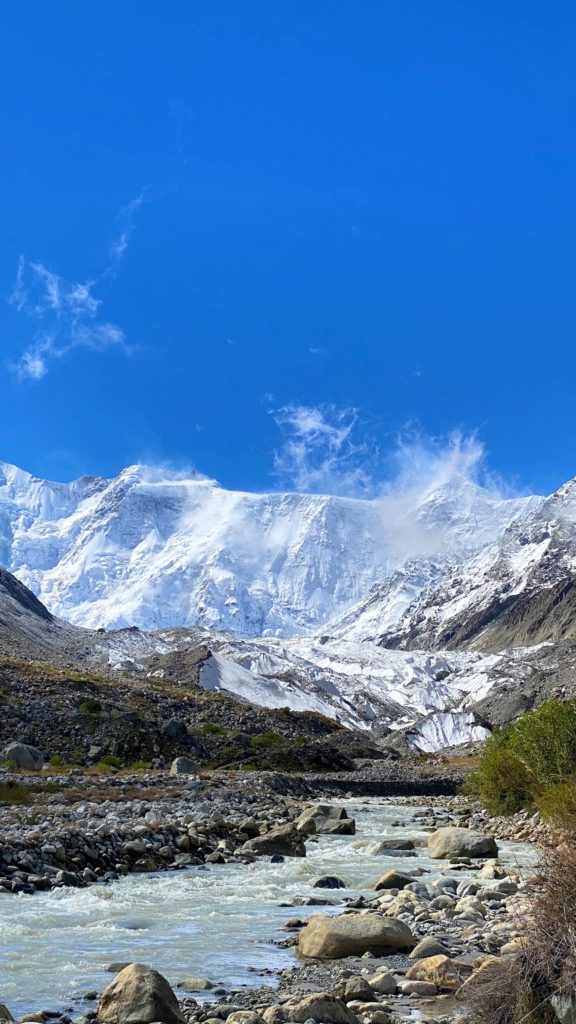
x: 215, y: 923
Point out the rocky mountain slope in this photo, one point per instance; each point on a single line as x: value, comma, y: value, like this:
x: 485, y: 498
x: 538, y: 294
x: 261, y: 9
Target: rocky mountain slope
x: 519, y: 590
x: 440, y: 648
x: 156, y: 549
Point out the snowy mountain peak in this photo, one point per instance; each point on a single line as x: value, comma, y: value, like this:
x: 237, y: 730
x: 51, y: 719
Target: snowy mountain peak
x: 157, y: 547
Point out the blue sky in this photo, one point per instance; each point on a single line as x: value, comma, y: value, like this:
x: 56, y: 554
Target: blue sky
x: 222, y: 219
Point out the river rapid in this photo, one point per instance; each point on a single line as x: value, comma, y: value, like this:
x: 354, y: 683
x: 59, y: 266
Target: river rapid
x: 217, y: 922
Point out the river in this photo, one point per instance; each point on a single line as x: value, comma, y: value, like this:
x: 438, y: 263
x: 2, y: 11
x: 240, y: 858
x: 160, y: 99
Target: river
x: 215, y: 921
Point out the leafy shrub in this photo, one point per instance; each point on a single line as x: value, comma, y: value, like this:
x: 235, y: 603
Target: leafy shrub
x: 141, y: 766
x: 109, y: 761
x: 557, y: 803
x: 525, y: 759
x: 91, y: 707
x: 501, y: 781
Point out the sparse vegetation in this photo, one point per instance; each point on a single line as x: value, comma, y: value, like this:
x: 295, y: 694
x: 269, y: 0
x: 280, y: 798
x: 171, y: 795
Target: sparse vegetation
x: 211, y: 729
x: 268, y: 739
x: 523, y: 987
x: 14, y: 793
x: 524, y: 764
x: 108, y: 761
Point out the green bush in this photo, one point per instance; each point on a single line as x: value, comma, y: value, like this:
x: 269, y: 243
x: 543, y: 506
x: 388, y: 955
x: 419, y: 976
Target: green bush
x: 109, y: 761
x: 501, y: 781
x: 524, y: 761
x: 558, y: 803
x: 91, y: 707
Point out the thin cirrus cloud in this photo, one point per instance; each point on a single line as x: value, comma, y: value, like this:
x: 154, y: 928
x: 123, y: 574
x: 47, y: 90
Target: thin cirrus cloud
x: 320, y: 451
x: 67, y: 314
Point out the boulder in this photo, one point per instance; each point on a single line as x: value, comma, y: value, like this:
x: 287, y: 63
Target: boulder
x: 448, y: 843
x: 320, y: 818
x: 393, y: 880
x: 139, y: 995
x: 329, y: 882
x: 24, y: 756
x: 352, y: 935
x: 285, y: 841
x: 384, y: 982
x: 439, y: 970
x: 183, y: 766
x: 275, y: 1014
x: 320, y: 1007
x: 244, y: 1017
x: 357, y: 987
x: 429, y: 946
x: 395, y: 846
x: 175, y: 729
x: 346, y: 827
x: 5, y: 1013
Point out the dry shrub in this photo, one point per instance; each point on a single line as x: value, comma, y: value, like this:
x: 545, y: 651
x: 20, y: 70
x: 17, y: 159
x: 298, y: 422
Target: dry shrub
x: 518, y: 988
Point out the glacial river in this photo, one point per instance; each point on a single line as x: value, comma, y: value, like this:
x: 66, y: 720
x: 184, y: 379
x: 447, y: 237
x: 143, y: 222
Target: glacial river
x: 215, y: 922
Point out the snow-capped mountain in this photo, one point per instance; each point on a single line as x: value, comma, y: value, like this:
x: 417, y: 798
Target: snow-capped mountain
x: 156, y: 549
x: 518, y: 590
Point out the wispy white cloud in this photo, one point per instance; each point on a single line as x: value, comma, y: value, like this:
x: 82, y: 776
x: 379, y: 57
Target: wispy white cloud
x: 421, y: 486
x: 320, y: 451
x: 126, y: 220
x: 67, y: 313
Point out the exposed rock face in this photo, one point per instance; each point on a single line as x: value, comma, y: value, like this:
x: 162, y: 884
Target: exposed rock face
x: 352, y: 935
x: 24, y: 756
x: 460, y: 842
x: 139, y: 995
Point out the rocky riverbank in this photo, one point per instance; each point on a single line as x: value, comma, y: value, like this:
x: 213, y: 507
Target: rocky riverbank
x: 85, y: 829
x: 412, y: 944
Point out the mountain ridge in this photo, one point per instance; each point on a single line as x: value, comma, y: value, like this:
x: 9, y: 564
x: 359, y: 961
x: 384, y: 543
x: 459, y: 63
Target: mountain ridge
x: 156, y: 548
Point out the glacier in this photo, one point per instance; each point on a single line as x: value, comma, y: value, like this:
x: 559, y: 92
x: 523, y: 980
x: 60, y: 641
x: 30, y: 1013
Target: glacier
x: 155, y: 548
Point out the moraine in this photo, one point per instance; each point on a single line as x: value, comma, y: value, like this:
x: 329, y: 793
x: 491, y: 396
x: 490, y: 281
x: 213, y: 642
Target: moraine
x: 219, y: 922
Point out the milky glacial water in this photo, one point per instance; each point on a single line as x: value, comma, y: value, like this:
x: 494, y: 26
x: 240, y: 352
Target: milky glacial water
x: 216, y: 922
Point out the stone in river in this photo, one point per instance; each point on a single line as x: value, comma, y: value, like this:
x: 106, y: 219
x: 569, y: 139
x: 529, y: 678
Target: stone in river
x: 450, y: 842
x: 352, y: 935
x: 139, y: 995
x: 393, y: 880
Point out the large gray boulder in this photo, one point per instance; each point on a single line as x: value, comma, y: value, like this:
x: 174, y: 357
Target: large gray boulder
x: 320, y: 1006
x: 285, y: 841
x: 330, y: 938
x: 448, y: 843
x: 139, y: 995
x: 325, y: 819
x: 24, y: 756
x: 183, y: 766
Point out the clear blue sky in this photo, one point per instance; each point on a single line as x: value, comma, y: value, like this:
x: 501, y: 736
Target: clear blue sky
x: 221, y: 209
